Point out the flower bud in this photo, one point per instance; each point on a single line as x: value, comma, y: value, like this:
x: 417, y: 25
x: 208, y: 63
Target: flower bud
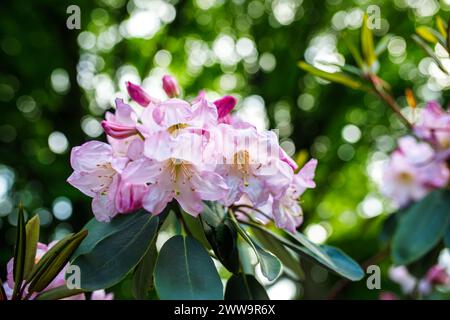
x: 225, y: 105
x: 138, y: 94
x: 437, y: 275
x: 117, y: 130
x: 170, y: 86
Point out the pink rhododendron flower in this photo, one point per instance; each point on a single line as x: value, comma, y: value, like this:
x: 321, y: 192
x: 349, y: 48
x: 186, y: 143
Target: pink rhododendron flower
x: 287, y: 212
x: 97, y: 175
x: 434, y: 127
x: 190, y: 152
x: 412, y: 172
x: 102, y: 295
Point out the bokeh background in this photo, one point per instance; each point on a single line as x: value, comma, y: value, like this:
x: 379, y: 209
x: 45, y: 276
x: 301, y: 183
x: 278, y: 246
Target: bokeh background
x: 56, y: 84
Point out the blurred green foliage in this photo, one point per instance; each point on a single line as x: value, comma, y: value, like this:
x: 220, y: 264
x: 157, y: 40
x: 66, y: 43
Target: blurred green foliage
x: 53, y: 79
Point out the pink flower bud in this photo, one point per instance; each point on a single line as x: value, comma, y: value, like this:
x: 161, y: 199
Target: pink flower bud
x: 117, y: 130
x: 437, y: 275
x: 388, y: 296
x: 138, y: 94
x: 170, y: 86
x: 225, y: 105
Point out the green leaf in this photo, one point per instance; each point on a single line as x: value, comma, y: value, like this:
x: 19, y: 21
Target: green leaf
x: 143, y: 273
x: 54, y: 261
x: 367, y: 45
x: 116, y: 255
x: 427, y: 34
x: 184, y: 270
x: 327, y: 256
x: 421, y: 227
x: 382, y: 45
x: 244, y: 287
x: 221, y: 235
x: 98, y: 231
x: 19, y: 253
x: 286, y: 257
x: 270, y: 264
x: 58, y: 293
x: 195, y: 228
x: 441, y: 26
x: 353, y: 50
x: 337, y: 77
x: 447, y: 237
x: 32, y: 236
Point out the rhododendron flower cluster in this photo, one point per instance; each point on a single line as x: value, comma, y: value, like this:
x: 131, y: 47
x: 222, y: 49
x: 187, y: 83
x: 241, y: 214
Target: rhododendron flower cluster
x: 189, y: 152
x: 419, y: 164
x: 58, y: 281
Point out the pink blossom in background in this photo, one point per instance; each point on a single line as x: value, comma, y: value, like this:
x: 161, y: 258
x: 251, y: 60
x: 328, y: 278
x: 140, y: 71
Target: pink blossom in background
x: 434, y: 127
x: 189, y: 152
x: 412, y: 172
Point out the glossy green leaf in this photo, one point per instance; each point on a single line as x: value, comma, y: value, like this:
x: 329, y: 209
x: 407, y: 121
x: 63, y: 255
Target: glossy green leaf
x: 184, y: 270
x: 32, y: 236
x: 56, y: 261
x: 270, y: 264
x: 327, y: 256
x: 367, y: 45
x: 116, y: 255
x: 98, y: 231
x: 288, y: 259
x: 195, y: 226
x: 58, y: 293
x: 19, y: 253
x: 244, y: 287
x: 421, y: 227
x: 337, y: 77
x: 221, y: 235
x: 143, y: 273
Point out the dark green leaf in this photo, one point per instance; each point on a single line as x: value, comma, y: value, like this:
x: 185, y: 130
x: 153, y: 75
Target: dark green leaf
x: 116, y: 255
x: 56, y: 261
x: 447, y: 237
x: 58, y: 293
x: 101, y: 230
x: 184, y: 270
x: 245, y: 287
x: 222, y: 236
x: 327, y: 256
x: 143, y: 273
x: 195, y: 227
x: 19, y: 253
x: 422, y: 226
x: 32, y: 236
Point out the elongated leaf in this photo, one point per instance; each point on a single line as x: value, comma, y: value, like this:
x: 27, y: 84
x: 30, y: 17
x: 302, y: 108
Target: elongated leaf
x: 244, y: 287
x: 221, y: 235
x: 32, y: 236
x: 286, y: 257
x: 184, y: 270
x: 143, y: 274
x: 367, y: 45
x: 270, y: 264
x: 427, y: 34
x: 57, y: 260
x: 98, y: 231
x: 195, y: 227
x: 327, y: 256
x: 421, y: 227
x: 58, y: 293
x: 441, y: 26
x: 19, y: 253
x: 353, y: 50
x: 116, y: 255
x: 382, y: 45
x: 337, y: 77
